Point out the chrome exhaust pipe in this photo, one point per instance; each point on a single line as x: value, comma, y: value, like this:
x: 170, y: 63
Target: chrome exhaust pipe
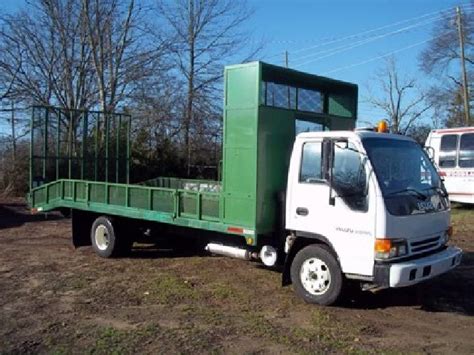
x: 233, y: 252
x: 268, y: 254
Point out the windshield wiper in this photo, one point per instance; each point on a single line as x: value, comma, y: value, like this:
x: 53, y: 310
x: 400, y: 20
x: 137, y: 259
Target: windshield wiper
x: 416, y: 192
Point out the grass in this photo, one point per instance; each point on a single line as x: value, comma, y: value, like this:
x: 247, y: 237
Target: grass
x: 322, y: 333
x: 110, y: 340
x: 170, y: 289
x: 462, y: 218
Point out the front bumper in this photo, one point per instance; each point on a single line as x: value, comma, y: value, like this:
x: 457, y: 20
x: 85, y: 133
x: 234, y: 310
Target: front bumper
x: 411, y: 272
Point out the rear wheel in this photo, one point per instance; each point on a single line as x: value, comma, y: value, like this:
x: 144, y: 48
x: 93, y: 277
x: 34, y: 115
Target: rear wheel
x: 316, y: 275
x: 106, y: 242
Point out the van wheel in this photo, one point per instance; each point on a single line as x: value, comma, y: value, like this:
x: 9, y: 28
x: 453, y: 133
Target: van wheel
x: 316, y: 275
x: 105, y: 240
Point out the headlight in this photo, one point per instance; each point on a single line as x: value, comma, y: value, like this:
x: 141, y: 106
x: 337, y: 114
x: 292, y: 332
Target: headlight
x: 447, y: 235
x: 390, y: 248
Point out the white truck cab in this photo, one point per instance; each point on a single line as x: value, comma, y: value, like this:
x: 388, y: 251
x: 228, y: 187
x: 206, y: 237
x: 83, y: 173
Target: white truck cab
x: 364, y: 206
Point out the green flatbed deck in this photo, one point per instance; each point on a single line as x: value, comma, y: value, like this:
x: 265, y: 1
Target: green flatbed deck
x: 182, y: 207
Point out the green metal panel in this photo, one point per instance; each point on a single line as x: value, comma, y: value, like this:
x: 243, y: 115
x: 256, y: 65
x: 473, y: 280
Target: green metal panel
x: 138, y: 197
x: 210, y: 207
x: 163, y: 201
x: 117, y: 195
x: 239, y: 174
x: 188, y: 204
x: 276, y: 134
x: 80, y: 191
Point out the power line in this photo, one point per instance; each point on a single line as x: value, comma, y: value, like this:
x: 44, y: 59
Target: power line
x: 381, y: 28
x: 363, y: 33
x: 331, y: 39
x: 382, y: 56
x: 344, y: 48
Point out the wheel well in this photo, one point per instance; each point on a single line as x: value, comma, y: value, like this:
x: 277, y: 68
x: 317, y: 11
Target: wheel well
x: 81, y: 227
x: 300, y: 242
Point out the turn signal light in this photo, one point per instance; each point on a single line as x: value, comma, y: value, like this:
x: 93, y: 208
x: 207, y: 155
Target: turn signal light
x: 390, y: 248
x: 382, y: 245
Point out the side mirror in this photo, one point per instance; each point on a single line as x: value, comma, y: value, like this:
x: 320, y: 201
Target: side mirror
x: 430, y: 152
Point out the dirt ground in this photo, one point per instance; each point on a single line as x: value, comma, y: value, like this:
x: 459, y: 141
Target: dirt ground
x: 55, y: 299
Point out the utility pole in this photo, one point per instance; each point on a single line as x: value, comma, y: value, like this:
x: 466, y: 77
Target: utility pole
x: 463, y: 65
x: 288, y: 88
x: 190, y: 98
x: 13, y: 133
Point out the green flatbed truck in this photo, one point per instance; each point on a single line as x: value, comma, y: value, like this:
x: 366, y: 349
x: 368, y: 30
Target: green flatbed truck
x: 285, y: 198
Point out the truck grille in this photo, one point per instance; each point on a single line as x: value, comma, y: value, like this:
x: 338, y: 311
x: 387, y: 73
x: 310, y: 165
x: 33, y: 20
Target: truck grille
x: 426, y: 244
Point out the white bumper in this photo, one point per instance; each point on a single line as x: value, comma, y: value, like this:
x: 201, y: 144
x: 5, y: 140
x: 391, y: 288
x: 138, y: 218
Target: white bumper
x: 413, y: 271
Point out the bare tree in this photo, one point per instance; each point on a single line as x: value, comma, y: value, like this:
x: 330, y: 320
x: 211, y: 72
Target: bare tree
x: 441, y: 59
x: 122, y: 54
x: 205, y: 34
x: 400, y: 98
x: 45, y: 55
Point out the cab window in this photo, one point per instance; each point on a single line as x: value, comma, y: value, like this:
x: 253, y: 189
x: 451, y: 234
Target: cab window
x: 448, y: 150
x: 310, y: 171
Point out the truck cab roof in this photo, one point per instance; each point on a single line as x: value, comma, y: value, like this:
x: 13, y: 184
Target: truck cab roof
x: 351, y: 134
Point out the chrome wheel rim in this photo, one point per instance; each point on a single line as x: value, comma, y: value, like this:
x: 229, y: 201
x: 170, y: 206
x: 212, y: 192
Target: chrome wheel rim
x: 315, y: 276
x: 102, y: 239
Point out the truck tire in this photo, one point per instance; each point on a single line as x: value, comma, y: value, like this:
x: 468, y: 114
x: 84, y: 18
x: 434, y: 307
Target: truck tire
x: 316, y: 275
x: 106, y: 242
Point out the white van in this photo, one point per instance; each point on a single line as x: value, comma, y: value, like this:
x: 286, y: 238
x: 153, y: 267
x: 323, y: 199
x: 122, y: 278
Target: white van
x: 453, y: 153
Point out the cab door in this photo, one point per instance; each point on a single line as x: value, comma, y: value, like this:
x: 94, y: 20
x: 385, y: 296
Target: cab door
x: 337, y: 211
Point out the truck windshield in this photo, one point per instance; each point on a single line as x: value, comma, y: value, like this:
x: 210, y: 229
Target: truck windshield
x: 407, y: 178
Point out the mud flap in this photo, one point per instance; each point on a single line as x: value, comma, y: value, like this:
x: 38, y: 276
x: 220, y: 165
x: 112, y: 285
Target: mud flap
x: 81, y: 226
x: 285, y: 275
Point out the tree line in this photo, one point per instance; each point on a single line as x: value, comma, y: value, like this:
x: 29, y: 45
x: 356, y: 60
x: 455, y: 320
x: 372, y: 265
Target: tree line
x: 161, y: 61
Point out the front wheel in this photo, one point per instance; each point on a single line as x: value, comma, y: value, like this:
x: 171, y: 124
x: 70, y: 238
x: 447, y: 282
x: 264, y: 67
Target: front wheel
x: 316, y: 275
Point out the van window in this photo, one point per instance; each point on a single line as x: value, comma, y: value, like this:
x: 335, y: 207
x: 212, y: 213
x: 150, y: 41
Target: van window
x: 311, y: 163
x: 448, y: 149
x: 466, y: 151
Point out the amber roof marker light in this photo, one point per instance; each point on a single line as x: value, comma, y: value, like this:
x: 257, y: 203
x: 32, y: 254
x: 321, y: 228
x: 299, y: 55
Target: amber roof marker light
x: 382, y: 127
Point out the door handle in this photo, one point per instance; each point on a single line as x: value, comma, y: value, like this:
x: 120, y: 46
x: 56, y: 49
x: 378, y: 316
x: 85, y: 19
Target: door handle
x: 302, y: 211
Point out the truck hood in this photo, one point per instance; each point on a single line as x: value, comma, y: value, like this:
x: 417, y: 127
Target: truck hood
x: 418, y: 225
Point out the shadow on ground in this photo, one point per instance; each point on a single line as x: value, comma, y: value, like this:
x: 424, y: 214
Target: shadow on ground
x: 452, y: 292
x: 16, y: 214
